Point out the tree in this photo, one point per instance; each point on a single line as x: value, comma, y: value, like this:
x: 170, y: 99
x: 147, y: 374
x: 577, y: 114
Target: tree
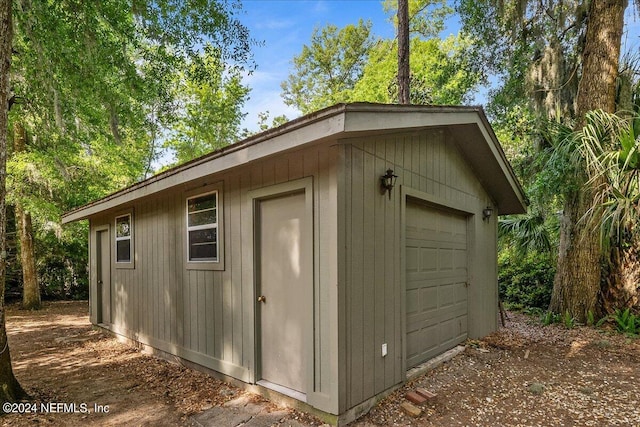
x: 329, y: 67
x: 95, y: 89
x: 210, y: 113
x: 10, y: 389
x: 439, y: 73
x: 31, y: 288
x: 567, y: 53
x: 403, y: 52
x: 577, y: 282
x: 610, y: 145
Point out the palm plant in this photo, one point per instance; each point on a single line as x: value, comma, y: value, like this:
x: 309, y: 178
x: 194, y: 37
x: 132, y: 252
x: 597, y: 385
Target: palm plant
x: 610, y: 147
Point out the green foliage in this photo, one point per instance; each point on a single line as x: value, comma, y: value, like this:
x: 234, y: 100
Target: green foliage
x: 62, y: 262
x: 426, y: 17
x: 328, y: 67
x: 568, y: 320
x: 95, y: 85
x: 349, y: 65
x: 525, y: 281
x: 211, y: 97
x: 549, y: 318
x: 438, y: 73
x: 627, y: 322
x: 610, y: 145
x: 591, y: 319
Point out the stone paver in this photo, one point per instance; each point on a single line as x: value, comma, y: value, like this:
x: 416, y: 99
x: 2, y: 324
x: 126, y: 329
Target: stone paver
x: 243, y: 412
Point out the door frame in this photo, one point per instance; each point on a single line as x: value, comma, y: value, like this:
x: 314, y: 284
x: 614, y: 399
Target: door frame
x: 407, y: 193
x: 105, y: 229
x: 256, y: 196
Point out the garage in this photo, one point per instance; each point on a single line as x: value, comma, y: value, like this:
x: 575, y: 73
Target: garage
x: 436, y: 281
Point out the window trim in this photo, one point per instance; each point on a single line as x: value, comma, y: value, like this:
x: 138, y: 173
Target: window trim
x: 130, y: 238
x: 218, y: 263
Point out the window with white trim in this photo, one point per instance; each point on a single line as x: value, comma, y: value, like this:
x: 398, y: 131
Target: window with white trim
x: 123, y: 239
x: 203, y: 239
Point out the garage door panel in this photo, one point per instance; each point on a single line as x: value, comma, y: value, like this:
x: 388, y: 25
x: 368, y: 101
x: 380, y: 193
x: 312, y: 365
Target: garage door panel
x: 413, y: 300
x: 412, y: 258
x: 436, y: 297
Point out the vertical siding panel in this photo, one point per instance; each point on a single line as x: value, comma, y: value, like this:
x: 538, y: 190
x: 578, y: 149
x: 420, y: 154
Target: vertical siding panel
x: 379, y: 286
x: 148, y: 266
x: 233, y: 228
x: 281, y: 165
x: 186, y: 286
x: 404, y: 144
x: 246, y: 279
x: 390, y: 153
x: 193, y: 308
x: 296, y: 165
x: 268, y: 173
x: 164, y: 256
x: 209, y: 315
x: 357, y: 291
x: 171, y: 262
x: 256, y: 176
x: 204, y: 280
x: 397, y: 287
x: 415, y: 161
x: 403, y: 179
x: 321, y: 267
x: 371, y: 356
x: 227, y: 320
x: 423, y: 162
x: 153, y: 269
x: 391, y: 328
x: 180, y: 270
x: 218, y: 335
x: 348, y: 274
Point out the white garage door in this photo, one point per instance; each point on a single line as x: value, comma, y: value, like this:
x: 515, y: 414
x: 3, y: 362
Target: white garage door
x: 436, y: 281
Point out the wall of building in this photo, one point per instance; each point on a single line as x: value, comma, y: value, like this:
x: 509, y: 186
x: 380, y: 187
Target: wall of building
x: 207, y: 316
x: 371, y: 239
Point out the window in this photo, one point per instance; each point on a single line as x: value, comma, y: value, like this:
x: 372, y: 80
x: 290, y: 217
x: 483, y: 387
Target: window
x: 202, y: 228
x: 123, y: 239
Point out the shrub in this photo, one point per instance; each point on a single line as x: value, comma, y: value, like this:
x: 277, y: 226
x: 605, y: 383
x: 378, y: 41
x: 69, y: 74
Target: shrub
x: 525, y: 282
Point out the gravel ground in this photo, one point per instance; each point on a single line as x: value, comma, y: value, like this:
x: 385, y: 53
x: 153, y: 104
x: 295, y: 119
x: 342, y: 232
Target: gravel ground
x: 523, y: 375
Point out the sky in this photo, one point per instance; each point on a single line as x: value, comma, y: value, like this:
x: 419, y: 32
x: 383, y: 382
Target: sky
x: 284, y: 26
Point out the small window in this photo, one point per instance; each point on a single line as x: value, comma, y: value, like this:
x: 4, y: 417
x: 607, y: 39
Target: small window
x: 202, y: 228
x: 123, y: 239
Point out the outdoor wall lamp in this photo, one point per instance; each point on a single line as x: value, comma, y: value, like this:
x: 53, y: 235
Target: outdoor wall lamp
x: 388, y: 181
x: 486, y: 213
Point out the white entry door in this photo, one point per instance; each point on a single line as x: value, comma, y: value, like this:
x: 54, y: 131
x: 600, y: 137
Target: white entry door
x: 285, y: 281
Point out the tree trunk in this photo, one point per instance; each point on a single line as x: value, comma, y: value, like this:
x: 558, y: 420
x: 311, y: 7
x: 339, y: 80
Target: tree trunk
x: 10, y: 389
x: 31, y: 290
x: 403, y: 52
x: 600, y: 58
x: 576, y: 285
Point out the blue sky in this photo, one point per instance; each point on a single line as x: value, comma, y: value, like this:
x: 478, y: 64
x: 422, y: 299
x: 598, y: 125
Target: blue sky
x: 284, y: 26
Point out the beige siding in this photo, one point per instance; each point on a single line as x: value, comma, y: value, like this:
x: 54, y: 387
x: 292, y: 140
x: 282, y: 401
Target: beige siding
x: 427, y: 162
x: 207, y: 316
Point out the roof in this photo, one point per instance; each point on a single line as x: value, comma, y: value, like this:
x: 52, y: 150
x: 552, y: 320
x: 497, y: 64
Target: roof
x: 469, y: 126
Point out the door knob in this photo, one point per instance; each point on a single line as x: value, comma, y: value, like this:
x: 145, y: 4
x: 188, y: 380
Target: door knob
x: 99, y: 282
x: 262, y: 298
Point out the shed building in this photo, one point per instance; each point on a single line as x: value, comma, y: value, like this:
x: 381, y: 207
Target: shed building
x: 283, y: 262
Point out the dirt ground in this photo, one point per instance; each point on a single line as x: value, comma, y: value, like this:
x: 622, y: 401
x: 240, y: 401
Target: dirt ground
x: 523, y: 375
x: 58, y: 358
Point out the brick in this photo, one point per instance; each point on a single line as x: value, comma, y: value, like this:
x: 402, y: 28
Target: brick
x: 425, y: 393
x: 414, y: 397
x: 411, y: 410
